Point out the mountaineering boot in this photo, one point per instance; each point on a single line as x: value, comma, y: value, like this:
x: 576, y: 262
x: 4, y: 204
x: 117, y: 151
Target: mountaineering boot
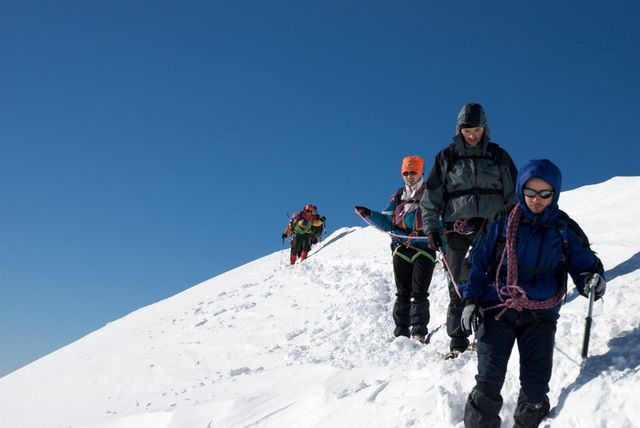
x: 401, y: 331
x: 419, y: 333
x: 292, y: 259
x: 451, y: 355
x: 303, y: 255
x: 456, y: 351
x: 529, y: 415
x: 482, y: 409
x: 459, y: 344
x: 422, y: 338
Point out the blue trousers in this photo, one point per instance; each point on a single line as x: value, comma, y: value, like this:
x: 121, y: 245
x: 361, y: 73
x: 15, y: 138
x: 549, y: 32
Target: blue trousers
x: 535, y: 334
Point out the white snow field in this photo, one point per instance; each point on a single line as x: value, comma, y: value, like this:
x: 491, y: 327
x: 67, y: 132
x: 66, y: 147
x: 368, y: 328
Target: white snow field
x: 270, y: 345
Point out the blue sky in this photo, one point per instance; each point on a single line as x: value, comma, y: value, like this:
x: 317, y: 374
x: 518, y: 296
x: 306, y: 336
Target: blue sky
x: 148, y: 146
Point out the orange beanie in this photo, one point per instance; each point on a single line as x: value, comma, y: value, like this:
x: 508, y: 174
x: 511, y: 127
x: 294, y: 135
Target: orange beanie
x: 413, y: 163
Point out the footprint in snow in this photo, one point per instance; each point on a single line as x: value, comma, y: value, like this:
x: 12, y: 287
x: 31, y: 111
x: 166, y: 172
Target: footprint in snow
x: 245, y: 306
x: 201, y: 322
x: 239, y: 371
x: 295, y: 333
x: 248, y: 285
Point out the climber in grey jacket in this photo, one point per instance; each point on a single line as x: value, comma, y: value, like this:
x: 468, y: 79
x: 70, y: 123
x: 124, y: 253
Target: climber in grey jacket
x: 471, y: 180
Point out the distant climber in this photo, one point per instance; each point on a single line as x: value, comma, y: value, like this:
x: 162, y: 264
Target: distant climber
x: 304, y: 230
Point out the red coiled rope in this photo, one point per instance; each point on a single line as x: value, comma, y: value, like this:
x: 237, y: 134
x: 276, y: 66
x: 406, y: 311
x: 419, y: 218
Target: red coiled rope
x: 511, y: 295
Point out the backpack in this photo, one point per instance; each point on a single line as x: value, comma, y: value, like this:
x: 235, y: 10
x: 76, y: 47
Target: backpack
x: 301, y: 223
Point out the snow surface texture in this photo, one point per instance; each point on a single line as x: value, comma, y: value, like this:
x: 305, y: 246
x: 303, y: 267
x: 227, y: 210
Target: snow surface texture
x: 272, y: 345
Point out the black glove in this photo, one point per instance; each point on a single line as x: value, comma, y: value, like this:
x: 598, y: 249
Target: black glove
x: 364, y: 212
x: 284, y: 236
x: 434, y: 241
x: 596, y: 281
x: 471, y: 317
x: 323, y: 218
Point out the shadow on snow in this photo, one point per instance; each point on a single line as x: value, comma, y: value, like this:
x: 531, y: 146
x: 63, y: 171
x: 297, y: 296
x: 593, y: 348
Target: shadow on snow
x: 628, y: 266
x: 624, y: 268
x: 623, y: 357
x: 332, y: 240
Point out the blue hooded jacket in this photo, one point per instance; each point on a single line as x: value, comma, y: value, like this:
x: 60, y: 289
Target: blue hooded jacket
x: 539, y: 246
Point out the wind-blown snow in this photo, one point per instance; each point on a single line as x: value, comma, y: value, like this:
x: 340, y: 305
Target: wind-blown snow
x: 271, y: 345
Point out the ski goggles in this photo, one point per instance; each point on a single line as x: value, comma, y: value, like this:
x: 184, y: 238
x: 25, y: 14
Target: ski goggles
x: 544, y: 194
x: 408, y: 173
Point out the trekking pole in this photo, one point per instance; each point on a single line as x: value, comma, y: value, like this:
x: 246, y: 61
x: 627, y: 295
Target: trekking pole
x: 281, y: 253
x: 588, y: 320
x: 448, y: 270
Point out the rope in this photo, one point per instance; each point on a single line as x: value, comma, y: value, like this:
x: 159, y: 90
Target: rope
x: 511, y: 295
x: 463, y: 227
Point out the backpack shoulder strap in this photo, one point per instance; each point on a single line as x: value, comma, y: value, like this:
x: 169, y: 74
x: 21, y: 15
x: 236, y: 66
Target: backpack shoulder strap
x: 575, y: 228
x: 562, y: 226
x: 397, y: 197
x: 450, y: 156
x: 493, y: 151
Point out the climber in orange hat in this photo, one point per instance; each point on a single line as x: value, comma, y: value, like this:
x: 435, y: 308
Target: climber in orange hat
x: 413, y: 260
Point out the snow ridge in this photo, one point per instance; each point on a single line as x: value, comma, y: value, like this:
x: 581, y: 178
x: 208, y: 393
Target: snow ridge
x: 311, y: 345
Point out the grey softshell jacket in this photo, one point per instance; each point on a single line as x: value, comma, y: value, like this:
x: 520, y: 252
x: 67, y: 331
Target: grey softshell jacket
x: 468, y: 182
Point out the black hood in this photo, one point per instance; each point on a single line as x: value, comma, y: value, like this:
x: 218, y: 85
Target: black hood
x: 472, y: 115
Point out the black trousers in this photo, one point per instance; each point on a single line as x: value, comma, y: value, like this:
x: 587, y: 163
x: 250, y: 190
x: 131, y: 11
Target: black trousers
x: 535, y: 335
x: 456, y: 250
x: 300, y: 243
x: 412, y: 269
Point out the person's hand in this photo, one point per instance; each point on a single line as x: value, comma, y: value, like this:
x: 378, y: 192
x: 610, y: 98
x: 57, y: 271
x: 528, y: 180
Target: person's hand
x: 596, y: 281
x: 284, y: 236
x: 471, y: 317
x: 363, y: 211
x: 434, y: 241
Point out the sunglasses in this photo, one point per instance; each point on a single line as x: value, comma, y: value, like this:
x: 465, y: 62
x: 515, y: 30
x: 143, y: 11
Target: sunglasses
x: 408, y: 173
x: 544, y: 194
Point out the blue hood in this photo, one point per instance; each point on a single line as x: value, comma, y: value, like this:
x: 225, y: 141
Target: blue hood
x: 546, y: 170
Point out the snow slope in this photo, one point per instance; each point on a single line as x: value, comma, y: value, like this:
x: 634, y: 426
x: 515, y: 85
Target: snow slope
x: 271, y: 345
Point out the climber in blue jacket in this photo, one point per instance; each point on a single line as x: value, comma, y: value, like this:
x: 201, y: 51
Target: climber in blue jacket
x: 514, y: 293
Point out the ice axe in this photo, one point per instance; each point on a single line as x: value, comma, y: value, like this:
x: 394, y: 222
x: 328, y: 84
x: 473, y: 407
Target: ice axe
x: 588, y: 319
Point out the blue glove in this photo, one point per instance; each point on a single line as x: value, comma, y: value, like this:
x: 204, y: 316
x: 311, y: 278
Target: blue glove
x: 596, y: 281
x: 471, y: 317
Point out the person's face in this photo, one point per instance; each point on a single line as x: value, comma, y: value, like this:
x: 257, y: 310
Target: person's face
x: 541, y: 195
x: 410, y: 177
x: 472, y: 136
